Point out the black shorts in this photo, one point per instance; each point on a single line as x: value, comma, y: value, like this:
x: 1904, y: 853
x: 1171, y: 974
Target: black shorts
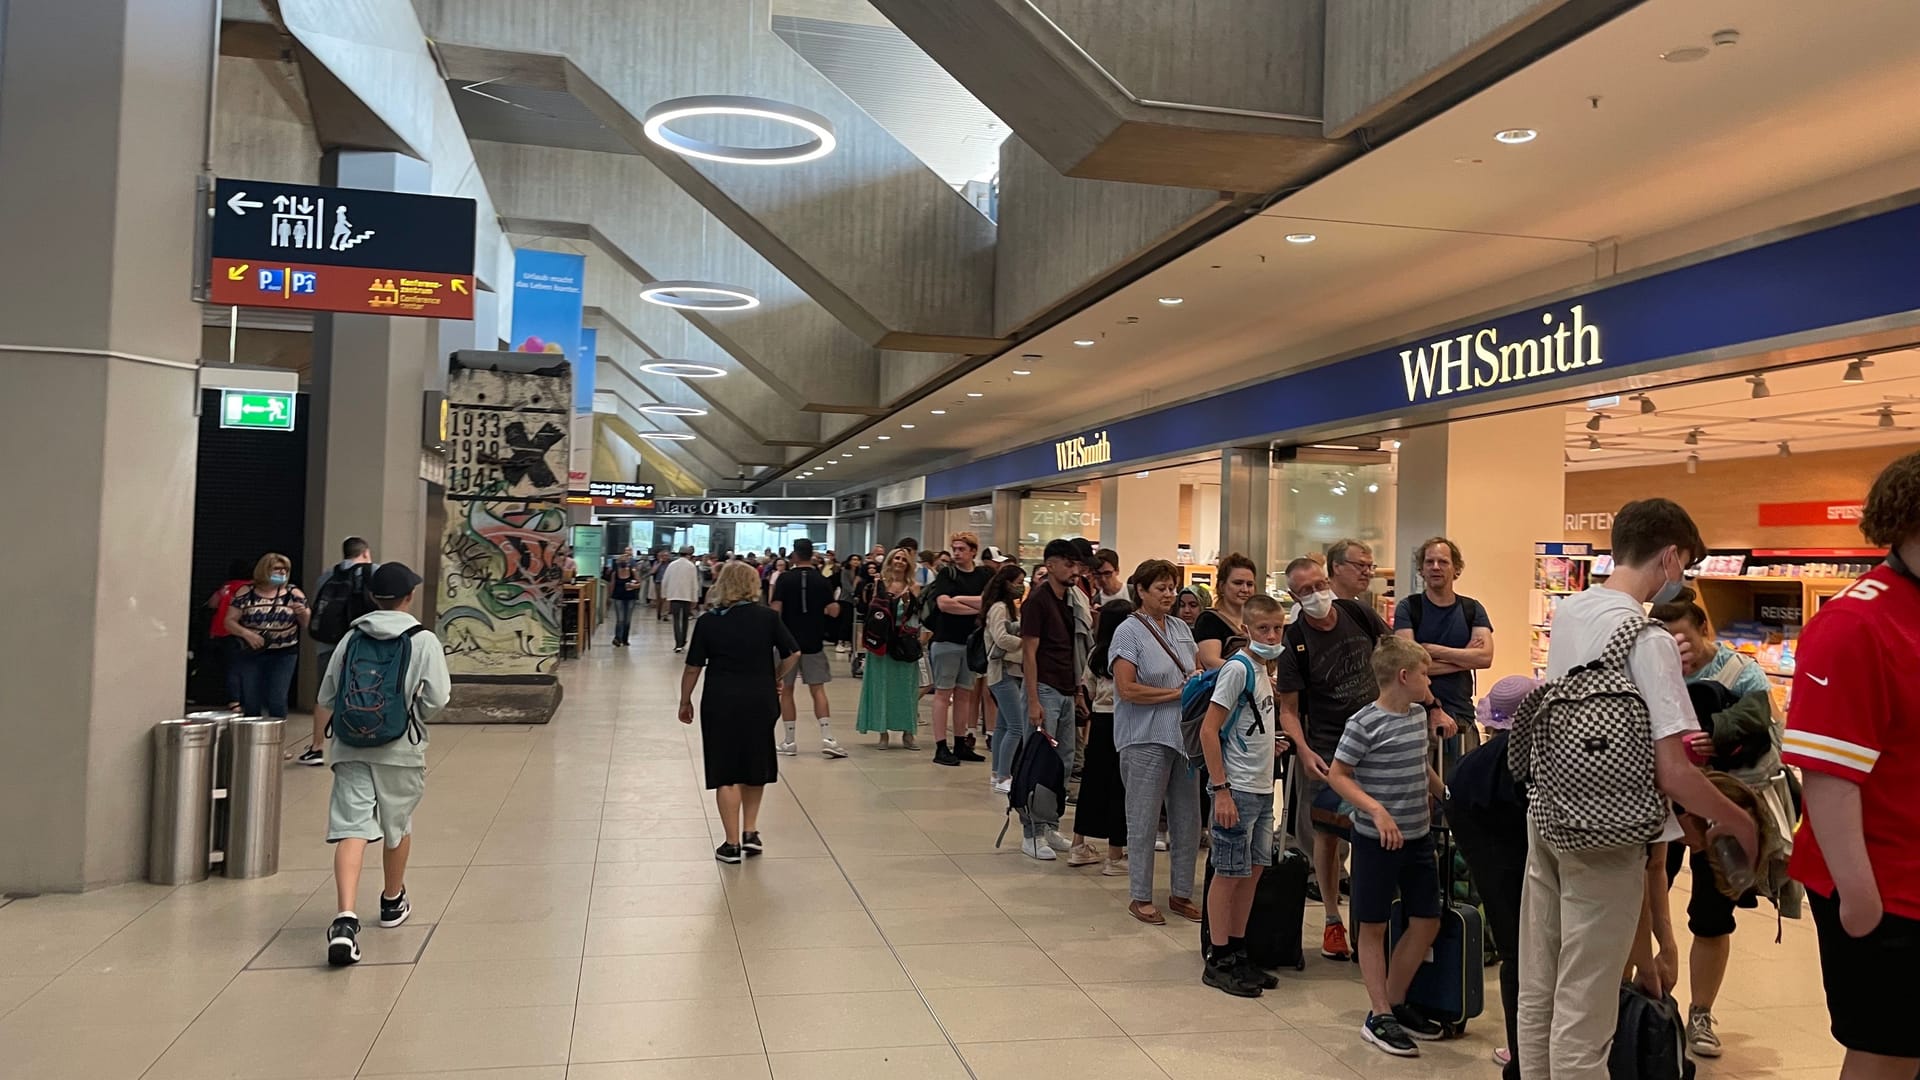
x: 1709, y: 912
x: 1865, y: 1016
x: 1379, y: 875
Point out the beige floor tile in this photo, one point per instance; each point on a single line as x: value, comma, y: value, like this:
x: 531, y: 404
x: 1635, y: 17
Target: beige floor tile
x: 263, y: 1050
x: 658, y: 848
x: 761, y: 929
x: 539, y: 831
x: 177, y: 945
x: 1325, y: 994
x: 522, y: 851
x: 1271, y: 1055
x: 640, y: 811
x: 1145, y: 958
x: 1003, y: 1014
x: 615, y: 874
x: 490, y: 984
x: 824, y: 971
x: 918, y: 926
x: 534, y: 1072
x: 660, y: 934
x: 1176, y: 1008
x: 1009, y: 963
x: 460, y: 942
x: 630, y: 901
x: 157, y: 997
x: 428, y: 889
x: 1067, y: 1059
x: 1466, y: 1058
x: 15, y: 989
x: 664, y: 1029
x: 879, y: 1063
x: 489, y: 894
x: 730, y: 1067
x: 94, y: 1051
x: 608, y: 980
x: 305, y: 947
x: 654, y: 829
x: 802, y: 1022
x: 472, y: 1039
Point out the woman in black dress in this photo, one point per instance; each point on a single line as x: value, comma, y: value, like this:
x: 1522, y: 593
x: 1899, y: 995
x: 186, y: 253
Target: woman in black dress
x: 739, y: 640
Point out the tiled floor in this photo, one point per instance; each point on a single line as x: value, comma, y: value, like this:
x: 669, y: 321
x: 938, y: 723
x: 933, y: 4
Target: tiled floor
x: 570, y: 921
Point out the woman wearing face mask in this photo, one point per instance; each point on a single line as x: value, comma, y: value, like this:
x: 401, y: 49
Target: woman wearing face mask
x: 1226, y: 620
x: 999, y: 603
x: 267, y: 616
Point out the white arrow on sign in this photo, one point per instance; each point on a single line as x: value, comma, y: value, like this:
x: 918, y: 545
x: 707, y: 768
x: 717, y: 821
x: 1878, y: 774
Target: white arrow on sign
x: 239, y: 202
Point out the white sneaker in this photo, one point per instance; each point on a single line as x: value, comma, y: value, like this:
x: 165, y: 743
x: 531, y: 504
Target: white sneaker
x: 1058, y: 842
x: 1115, y: 868
x: 1034, y: 848
x: 1160, y: 842
x: 831, y: 748
x: 787, y: 749
x: 1003, y: 786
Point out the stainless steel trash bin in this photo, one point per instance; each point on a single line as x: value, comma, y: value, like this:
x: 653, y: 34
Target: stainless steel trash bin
x: 222, y: 778
x: 181, y: 802
x: 253, y: 798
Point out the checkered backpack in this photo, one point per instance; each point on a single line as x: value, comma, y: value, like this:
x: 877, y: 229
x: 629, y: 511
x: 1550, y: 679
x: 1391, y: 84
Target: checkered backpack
x: 1583, y: 744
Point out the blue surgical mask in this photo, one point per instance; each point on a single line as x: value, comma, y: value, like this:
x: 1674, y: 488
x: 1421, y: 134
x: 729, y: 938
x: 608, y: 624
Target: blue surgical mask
x: 276, y: 579
x: 1670, y: 589
x: 1263, y: 650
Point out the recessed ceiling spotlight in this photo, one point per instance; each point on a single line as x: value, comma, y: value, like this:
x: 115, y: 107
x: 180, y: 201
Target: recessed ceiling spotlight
x: 1301, y: 238
x: 975, y: 393
x: 1022, y: 371
x: 846, y: 455
x: 864, y: 446
x: 1515, y: 136
x: 1759, y: 383
x: 1373, y: 489
x: 1685, y: 54
x: 1646, y: 403
x: 885, y: 438
x: 665, y: 436
x: 677, y: 370
x: 672, y: 410
x: 700, y: 296
x: 1396, y: 444
x: 1085, y: 343
x: 939, y: 412
x: 819, y: 141
x: 1173, y: 301
x: 908, y: 427
x: 1857, y: 370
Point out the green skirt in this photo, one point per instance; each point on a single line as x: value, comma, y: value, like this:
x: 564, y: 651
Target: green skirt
x: 889, y: 696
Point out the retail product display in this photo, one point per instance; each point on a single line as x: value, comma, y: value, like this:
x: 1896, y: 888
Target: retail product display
x: 1559, y: 571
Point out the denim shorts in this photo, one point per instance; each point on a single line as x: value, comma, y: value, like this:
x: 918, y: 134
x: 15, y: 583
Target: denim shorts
x: 1249, y: 843
x: 1379, y: 874
x: 949, y: 662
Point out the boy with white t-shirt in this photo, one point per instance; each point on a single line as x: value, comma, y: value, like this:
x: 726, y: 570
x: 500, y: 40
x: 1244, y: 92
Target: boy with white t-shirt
x: 1237, y: 739
x: 1579, y: 909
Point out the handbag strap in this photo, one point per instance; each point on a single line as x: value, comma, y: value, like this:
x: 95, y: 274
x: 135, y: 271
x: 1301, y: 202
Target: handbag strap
x: 1155, y: 631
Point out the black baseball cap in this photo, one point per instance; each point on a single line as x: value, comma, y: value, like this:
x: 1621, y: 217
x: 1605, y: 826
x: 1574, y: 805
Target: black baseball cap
x: 393, y: 580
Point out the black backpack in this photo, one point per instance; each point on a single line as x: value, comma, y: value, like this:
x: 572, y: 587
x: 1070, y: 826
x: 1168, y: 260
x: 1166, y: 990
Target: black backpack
x: 347, y: 595
x: 1651, y: 1040
x: 1039, y: 782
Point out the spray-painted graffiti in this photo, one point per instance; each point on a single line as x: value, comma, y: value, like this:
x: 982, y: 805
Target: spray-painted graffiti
x: 499, y: 569
x: 501, y: 586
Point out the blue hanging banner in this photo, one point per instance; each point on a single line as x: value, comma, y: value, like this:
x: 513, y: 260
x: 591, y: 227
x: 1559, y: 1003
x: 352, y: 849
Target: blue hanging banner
x: 547, y: 301
x: 580, y: 467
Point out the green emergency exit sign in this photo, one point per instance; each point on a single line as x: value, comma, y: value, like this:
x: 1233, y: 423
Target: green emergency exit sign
x: 261, y: 409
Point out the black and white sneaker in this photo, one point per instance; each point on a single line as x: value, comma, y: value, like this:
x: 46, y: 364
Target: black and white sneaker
x: 343, y: 941
x: 750, y: 843
x: 1386, y: 1033
x: 312, y: 755
x: 1418, y: 1024
x: 394, y: 910
x: 728, y: 853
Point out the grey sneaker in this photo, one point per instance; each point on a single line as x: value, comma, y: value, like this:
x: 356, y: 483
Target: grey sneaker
x: 1700, y: 1037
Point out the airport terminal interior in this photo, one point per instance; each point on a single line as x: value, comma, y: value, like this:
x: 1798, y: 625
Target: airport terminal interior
x: 512, y: 382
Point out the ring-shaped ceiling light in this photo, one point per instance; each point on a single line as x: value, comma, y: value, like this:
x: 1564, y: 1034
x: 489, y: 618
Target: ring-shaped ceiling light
x: 672, y: 410
x: 700, y: 296
x: 665, y: 436
x: 819, y: 142
x: 679, y: 370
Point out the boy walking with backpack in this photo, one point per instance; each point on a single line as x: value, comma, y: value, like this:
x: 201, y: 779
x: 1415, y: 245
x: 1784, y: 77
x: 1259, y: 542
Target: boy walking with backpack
x: 1602, y: 748
x: 386, y: 679
x: 1237, y: 740
x: 1383, y: 768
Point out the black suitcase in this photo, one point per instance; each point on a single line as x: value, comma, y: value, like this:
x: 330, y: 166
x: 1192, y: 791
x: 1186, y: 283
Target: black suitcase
x: 1451, y: 985
x: 1279, y: 909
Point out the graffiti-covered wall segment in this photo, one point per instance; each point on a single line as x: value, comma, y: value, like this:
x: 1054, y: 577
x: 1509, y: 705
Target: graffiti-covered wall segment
x: 500, y: 582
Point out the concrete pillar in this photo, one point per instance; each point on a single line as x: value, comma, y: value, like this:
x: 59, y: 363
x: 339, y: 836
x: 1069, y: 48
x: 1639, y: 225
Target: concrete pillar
x: 102, y: 129
x: 1109, y: 501
x: 1006, y: 520
x: 1245, y: 497
x: 1144, y: 525
x: 1495, y: 486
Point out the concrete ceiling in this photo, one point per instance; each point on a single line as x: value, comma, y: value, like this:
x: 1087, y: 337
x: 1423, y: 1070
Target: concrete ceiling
x: 1444, y: 223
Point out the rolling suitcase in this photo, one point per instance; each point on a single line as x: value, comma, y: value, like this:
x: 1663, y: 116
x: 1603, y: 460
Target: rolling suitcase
x: 1279, y: 909
x: 1451, y: 985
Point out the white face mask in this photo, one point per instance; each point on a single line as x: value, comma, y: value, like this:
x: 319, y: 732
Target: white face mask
x: 1263, y: 650
x: 1317, y: 604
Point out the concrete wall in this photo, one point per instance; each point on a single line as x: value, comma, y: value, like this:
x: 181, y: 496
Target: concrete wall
x: 1145, y: 525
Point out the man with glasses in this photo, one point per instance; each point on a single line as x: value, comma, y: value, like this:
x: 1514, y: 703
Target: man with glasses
x: 1107, y: 582
x: 1350, y: 568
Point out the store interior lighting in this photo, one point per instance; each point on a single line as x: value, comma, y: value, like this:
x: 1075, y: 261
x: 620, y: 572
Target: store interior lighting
x: 672, y: 410
x: 1857, y: 371
x: 1646, y: 404
x: 1593, y: 443
x: 1693, y: 437
x: 1594, y: 421
x: 1786, y: 449
x: 1886, y: 416
x: 1759, y: 383
x: 665, y: 436
x: 678, y: 370
x: 1693, y: 463
x: 819, y: 142
x: 1515, y: 136
x: 700, y: 296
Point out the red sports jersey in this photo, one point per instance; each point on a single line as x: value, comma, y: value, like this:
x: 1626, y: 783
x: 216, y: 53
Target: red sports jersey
x: 1856, y: 715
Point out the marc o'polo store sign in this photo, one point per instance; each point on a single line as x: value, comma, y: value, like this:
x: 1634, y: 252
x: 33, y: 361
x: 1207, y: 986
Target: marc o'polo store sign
x: 771, y: 509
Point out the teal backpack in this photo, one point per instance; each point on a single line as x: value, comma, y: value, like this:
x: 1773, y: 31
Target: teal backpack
x: 371, y: 706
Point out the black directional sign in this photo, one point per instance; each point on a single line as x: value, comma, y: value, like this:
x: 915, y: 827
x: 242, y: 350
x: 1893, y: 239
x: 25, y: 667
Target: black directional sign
x: 267, y: 222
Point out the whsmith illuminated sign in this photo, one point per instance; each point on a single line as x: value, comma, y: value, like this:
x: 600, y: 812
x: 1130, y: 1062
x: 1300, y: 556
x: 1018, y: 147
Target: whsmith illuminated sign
x: 1082, y: 450
x: 1477, y: 359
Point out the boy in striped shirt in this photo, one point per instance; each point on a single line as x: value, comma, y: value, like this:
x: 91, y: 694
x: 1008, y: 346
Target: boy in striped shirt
x: 1382, y: 769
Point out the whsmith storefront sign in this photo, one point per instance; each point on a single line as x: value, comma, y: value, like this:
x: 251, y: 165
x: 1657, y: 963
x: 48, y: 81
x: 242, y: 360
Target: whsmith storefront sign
x: 1849, y: 278
x: 768, y: 509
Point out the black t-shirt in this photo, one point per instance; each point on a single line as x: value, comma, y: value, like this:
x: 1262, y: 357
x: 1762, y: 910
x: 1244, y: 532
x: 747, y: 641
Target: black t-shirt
x: 1049, y: 619
x: 625, y: 588
x: 1451, y: 626
x: 737, y: 644
x: 953, y: 582
x: 803, y: 594
x: 1213, y: 626
x: 1332, y: 670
